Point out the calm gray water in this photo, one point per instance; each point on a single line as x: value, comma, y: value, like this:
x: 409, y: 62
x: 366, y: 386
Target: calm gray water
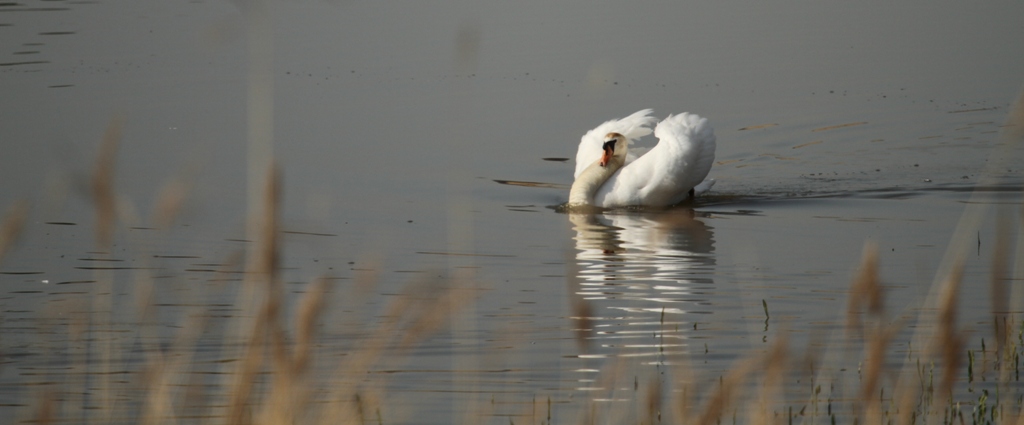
x: 838, y: 123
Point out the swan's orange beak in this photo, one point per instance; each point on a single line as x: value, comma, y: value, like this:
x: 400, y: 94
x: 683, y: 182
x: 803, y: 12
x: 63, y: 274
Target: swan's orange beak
x: 609, y: 151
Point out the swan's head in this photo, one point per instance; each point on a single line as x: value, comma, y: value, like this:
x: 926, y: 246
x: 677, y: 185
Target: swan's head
x: 614, y: 144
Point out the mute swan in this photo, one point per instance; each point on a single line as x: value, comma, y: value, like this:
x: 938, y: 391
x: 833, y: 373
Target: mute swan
x: 609, y: 174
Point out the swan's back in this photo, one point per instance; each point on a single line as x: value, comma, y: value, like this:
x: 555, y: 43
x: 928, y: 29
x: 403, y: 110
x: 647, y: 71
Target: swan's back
x: 665, y: 174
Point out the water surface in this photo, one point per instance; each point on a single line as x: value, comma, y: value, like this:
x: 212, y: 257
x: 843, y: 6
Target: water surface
x: 393, y: 123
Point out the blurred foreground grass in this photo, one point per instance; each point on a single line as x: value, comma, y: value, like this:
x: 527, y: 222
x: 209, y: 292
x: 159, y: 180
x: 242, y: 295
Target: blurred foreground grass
x: 272, y: 370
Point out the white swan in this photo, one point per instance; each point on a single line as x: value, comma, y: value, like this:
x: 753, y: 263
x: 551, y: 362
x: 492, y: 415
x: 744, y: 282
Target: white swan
x: 665, y: 175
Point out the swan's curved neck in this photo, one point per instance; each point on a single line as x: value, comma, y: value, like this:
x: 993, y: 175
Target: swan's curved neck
x: 591, y: 179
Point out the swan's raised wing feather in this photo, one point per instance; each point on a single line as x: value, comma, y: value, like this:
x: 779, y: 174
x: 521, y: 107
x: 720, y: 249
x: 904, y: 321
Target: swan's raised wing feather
x: 664, y: 175
x: 633, y: 127
x: 696, y: 139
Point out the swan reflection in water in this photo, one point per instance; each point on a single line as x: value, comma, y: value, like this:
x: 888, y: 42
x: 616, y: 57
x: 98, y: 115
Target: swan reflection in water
x: 639, y: 279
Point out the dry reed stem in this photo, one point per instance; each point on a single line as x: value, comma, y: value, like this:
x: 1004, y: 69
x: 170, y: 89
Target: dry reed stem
x: 290, y: 393
x: 169, y: 203
x: 265, y: 262
x: 309, y: 312
x: 908, y: 395
x: 684, y: 403
x: 103, y: 184
x: 1000, y: 291
x: 414, y: 315
x: 241, y: 391
x: 14, y: 222
x: 47, y: 410
x: 606, y: 383
x: 950, y: 341
x: 276, y: 408
x: 865, y: 290
x: 76, y: 327
x: 726, y: 392
x: 874, y: 361
x: 874, y: 365
x: 167, y: 384
x: 261, y: 271
x: 812, y: 358
x: 101, y: 317
x: 866, y: 296
x: 426, y: 308
x: 366, y: 279
x: 910, y: 388
x: 369, y: 352
x: 263, y: 203
x: 165, y: 372
x: 652, y: 401
x: 1001, y: 318
x: 431, y: 317
x: 774, y: 370
x: 152, y: 373
x: 1013, y: 129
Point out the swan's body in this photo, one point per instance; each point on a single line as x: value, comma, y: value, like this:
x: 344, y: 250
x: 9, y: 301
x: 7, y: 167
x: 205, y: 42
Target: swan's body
x: 664, y: 175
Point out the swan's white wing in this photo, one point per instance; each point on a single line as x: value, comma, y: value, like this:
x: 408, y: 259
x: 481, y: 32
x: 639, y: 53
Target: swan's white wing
x: 697, y: 138
x: 664, y: 175
x: 633, y: 127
